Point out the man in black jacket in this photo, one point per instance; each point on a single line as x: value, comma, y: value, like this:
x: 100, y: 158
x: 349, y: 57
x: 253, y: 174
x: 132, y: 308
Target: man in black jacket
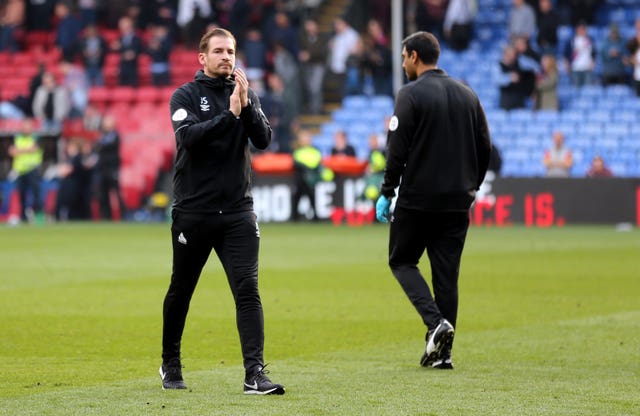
x: 438, y: 150
x: 213, y: 118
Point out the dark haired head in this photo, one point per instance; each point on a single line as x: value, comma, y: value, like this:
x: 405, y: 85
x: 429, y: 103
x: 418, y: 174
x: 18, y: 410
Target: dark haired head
x: 426, y: 46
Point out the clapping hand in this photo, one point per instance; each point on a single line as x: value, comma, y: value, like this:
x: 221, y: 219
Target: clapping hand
x: 243, y: 83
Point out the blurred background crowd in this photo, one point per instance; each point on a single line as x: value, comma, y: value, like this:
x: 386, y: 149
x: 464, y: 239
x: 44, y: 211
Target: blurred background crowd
x: 85, y: 86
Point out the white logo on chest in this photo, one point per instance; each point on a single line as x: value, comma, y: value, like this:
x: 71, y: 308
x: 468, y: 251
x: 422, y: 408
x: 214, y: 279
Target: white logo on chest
x: 204, y: 104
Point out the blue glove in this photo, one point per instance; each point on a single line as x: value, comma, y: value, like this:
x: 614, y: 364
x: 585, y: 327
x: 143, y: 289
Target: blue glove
x: 382, y: 209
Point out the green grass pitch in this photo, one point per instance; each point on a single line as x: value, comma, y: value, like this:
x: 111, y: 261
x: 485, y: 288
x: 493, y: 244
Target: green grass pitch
x: 549, y: 324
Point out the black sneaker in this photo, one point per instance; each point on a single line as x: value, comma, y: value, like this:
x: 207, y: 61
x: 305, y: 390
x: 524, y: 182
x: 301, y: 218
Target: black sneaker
x: 259, y: 383
x: 443, y: 362
x: 437, y: 338
x: 171, y: 374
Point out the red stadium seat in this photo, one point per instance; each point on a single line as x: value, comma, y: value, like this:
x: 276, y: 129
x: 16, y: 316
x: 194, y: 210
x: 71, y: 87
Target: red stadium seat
x: 100, y: 96
x: 36, y: 39
x: 5, y: 58
x: 128, y: 125
x: 110, y: 35
x: 7, y: 72
x: 147, y: 94
x: 123, y: 94
x: 131, y: 185
x: 166, y: 93
x: 120, y: 110
x: 22, y: 59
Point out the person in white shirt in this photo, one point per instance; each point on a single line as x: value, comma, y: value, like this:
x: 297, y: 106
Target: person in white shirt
x: 580, y: 56
x: 341, y: 45
x: 458, y: 23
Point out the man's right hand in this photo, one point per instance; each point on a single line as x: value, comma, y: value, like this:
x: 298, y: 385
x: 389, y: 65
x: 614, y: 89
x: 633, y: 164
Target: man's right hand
x: 235, y: 104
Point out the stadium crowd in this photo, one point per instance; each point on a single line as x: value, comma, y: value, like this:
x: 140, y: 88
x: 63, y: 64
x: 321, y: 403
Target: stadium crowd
x: 62, y: 54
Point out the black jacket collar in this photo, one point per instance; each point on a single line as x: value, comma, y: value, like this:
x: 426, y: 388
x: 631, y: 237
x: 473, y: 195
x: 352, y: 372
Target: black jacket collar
x: 215, y: 83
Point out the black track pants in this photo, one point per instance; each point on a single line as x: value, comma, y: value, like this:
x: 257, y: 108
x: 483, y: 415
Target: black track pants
x: 443, y: 235
x: 235, y: 239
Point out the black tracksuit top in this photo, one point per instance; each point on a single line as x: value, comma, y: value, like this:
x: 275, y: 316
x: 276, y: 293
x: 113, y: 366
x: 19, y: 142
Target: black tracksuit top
x: 438, y: 145
x: 213, y: 162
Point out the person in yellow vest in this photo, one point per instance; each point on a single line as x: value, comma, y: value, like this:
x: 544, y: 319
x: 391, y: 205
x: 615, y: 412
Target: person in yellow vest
x: 307, y: 166
x: 375, y: 169
x: 27, y: 160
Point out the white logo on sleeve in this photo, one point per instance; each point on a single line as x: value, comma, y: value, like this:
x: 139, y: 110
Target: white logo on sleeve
x: 182, y: 239
x: 179, y: 115
x: 393, y: 123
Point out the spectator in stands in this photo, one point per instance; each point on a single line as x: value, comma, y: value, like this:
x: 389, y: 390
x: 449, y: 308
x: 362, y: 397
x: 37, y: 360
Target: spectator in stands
x: 129, y: 46
x: 238, y: 17
x: 11, y: 109
x: 613, y: 56
x: 376, y: 163
x: 546, y: 94
x: 580, y: 55
x: 161, y: 12
x: 548, y: 22
x: 558, y: 160
x: 528, y: 64
x: 92, y: 119
x: 73, y: 201
x: 76, y: 83
x: 26, y: 164
x: 341, y: 145
x: 368, y: 68
x: 255, y: 53
x: 51, y: 103
x: 522, y: 20
x: 284, y: 33
x: 34, y: 83
x: 512, y: 94
x: 458, y: 23
x: 278, y: 114
x: 159, y: 48
x: 633, y: 47
x: 312, y: 56
x: 93, y: 49
x: 429, y: 16
x: 376, y: 31
x: 341, y: 45
x: 88, y: 12
x: 286, y: 67
x: 307, y: 173
x: 39, y: 14
x: 583, y: 10
x: 12, y: 16
x: 192, y: 17
x: 108, y: 168
x: 68, y: 30
x: 354, y: 79
x: 377, y: 65
x: 598, y: 169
